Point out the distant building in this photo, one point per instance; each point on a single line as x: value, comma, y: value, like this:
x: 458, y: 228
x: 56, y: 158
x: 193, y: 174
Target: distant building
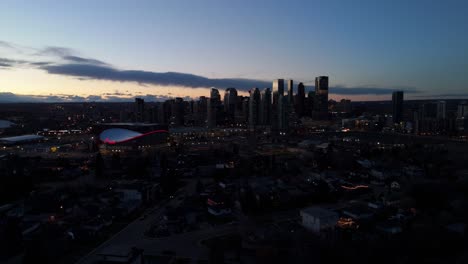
x: 317, y: 219
x: 441, y: 110
x: 139, y: 110
x: 265, y: 107
x: 462, y: 110
x: 177, y: 112
x: 291, y: 91
x: 321, y: 98
x: 254, y: 108
x: 279, y: 102
x: 300, y: 100
x: 462, y: 117
x: 397, y: 103
x: 230, y: 103
x: 310, y: 103
x: 278, y: 86
x: 131, y: 136
x: 200, y: 111
x: 213, y: 105
x: 344, y: 106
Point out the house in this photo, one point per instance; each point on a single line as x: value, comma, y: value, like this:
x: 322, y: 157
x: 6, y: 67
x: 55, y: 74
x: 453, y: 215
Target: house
x: 317, y: 219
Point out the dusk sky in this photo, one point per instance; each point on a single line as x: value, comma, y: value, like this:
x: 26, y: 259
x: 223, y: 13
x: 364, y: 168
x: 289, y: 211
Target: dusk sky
x: 109, y: 50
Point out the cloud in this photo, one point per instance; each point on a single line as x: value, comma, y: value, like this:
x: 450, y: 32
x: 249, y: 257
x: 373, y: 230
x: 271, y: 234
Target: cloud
x: 40, y: 63
x: 64, y: 61
x: 341, y: 90
x: 76, y: 59
x: 55, y: 51
x: 6, y: 45
x: 101, y: 72
x: 4, y: 62
x: 8, y: 97
x: 447, y: 95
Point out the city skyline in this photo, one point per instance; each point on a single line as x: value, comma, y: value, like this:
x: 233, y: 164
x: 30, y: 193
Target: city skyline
x: 103, y: 51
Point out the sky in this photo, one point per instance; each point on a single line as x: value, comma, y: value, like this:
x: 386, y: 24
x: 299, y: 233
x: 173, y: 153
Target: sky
x: 117, y: 50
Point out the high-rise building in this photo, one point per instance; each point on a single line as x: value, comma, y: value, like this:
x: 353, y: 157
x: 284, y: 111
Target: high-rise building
x: 265, y: 107
x: 321, y: 98
x: 462, y: 110
x: 177, y: 112
x: 441, y: 110
x: 213, y: 107
x: 397, y: 102
x: 139, y: 110
x: 300, y: 100
x: 462, y: 117
x: 278, y: 86
x: 230, y: 103
x: 277, y: 104
x: 201, y: 110
x: 254, y: 108
x: 291, y: 91
x: 344, y: 106
x: 310, y: 103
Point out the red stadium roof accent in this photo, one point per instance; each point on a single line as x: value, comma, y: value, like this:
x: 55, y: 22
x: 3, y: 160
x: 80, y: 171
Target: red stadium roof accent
x: 119, y: 135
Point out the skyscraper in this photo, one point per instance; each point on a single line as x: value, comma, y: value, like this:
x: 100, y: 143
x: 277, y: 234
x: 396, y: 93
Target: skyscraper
x: 265, y: 107
x: 213, y: 105
x: 310, y: 105
x: 278, y: 86
x: 139, y: 110
x: 462, y: 110
x: 321, y: 98
x: 300, y: 100
x: 177, y: 112
x: 397, y: 102
x: 230, y: 100
x: 291, y: 91
x: 441, y: 110
x: 230, y: 104
x: 254, y: 108
x: 277, y: 105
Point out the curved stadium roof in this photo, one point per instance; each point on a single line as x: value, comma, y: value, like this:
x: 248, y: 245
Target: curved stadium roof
x: 121, y: 135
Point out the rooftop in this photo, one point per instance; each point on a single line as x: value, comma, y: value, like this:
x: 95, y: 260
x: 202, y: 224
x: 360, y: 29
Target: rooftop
x: 136, y: 124
x: 318, y: 212
x: 23, y: 138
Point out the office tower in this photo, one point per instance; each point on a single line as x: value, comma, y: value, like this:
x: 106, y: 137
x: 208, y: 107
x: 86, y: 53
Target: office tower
x: 321, y: 98
x: 245, y: 109
x: 201, y: 110
x: 177, y: 112
x: 344, y: 106
x: 300, y: 100
x: 230, y: 103
x: 310, y: 105
x: 291, y: 91
x: 461, y: 121
x: 277, y: 104
x: 462, y: 110
x: 164, y: 112
x: 427, y: 119
x: 254, y: 108
x: 428, y: 111
x: 441, y: 110
x: 213, y: 106
x: 397, y: 102
x: 278, y: 86
x: 265, y: 107
x: 139, y: 110
x: 215, y: 96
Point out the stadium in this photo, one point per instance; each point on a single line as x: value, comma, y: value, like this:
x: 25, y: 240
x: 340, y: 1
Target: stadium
x: 118, y: 137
